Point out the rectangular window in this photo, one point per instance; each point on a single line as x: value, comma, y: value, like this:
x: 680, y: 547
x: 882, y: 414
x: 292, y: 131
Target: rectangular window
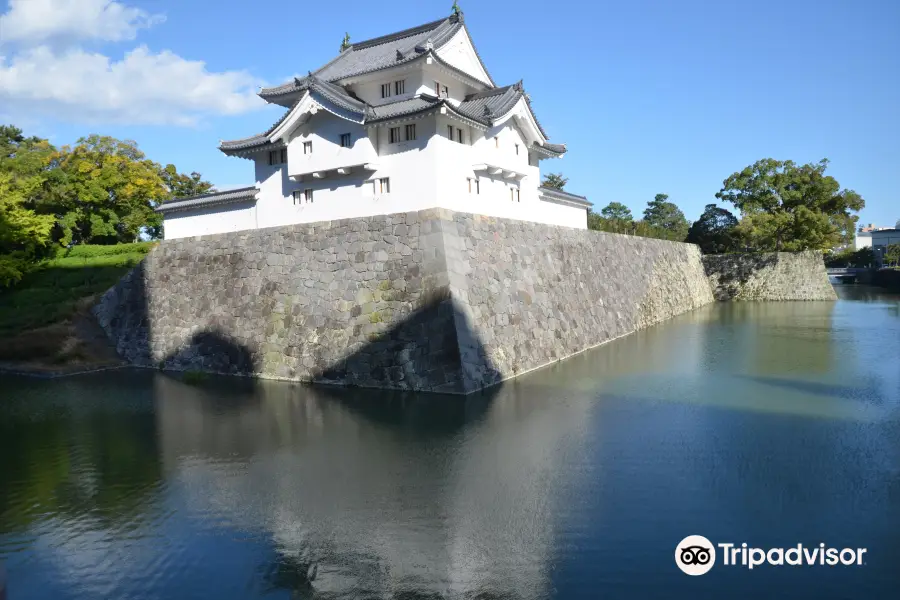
x: 518, y: 199
x: 496, y: 141
x: 345, y: 140
x: 450, y: 132
x: 517, y: 149
x: 385, y: 90
x: 445, y: 92
x: 459, y: 136
x: 410, y: 132
x: 399, y: 87
x: 302, y: 196
x: 474, y: 186
x: 382, y: 186
x: 437, y: 89
x: 307, y: 147
x: 394, y: 135
x: 277, y: 157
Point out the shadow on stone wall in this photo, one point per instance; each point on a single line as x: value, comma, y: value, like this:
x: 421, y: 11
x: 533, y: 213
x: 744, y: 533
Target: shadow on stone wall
x: 431, y: 349
x: 213, y: 351
x: 729, y: 273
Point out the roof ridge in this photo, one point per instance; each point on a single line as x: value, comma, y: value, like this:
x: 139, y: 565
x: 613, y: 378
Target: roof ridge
x: 384, y: 39
x: 212, y: 194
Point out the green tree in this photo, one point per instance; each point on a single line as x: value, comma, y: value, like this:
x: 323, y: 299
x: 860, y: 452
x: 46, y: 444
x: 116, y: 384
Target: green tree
x: 792, y: 207
x: 106, y: 193
x: 616, y: 211
x: 892, y: 255
x: 715, y: 231
x: 664, y: 215
x: 555, y: 181
x: 183, y: 186
x: 24, y: 234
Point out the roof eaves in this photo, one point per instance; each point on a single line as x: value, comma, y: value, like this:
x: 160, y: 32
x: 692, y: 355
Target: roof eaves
x: 213, y: 199
x: 563, y: 197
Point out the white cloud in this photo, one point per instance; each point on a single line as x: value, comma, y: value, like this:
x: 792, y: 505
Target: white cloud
x: 39, y: 21
x: 142, y: 88
x: 49, y: 72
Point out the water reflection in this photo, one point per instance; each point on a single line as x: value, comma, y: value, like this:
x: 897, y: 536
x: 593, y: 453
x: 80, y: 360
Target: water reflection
x: 430, y: 496
x: 769, y: 423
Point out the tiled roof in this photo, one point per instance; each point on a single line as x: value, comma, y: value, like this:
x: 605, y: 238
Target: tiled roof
x: 401, y: 108
x: 215, y: 198
x: 489, y: 104
x: 381, y: 53
x: 559, y: 196
x: 333, y: 93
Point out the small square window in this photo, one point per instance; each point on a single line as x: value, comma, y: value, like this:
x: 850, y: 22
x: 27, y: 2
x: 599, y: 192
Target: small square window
x: 399, y: 87
x: 382, y: 185
x: 345, y: 140
x: 445, y: 92
x: 298, y: 197
x: 308, y: 195
x: 394, y: 135
x: 276, y: 157
x: 385, y: 90
x: 307, y: 147
x: 474, y: 186
x: 410, y: 132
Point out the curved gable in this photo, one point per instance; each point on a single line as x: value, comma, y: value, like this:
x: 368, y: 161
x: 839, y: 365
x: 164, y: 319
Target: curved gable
x: 460, y: 53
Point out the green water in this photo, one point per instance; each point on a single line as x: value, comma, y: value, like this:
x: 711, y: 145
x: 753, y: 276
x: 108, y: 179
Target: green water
x: 767, y: 423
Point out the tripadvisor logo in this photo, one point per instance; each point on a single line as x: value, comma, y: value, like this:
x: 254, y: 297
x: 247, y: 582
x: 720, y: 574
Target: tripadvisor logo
x: 696, y: 555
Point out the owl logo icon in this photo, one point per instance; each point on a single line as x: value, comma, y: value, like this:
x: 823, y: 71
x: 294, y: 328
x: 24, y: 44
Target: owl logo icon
x: 695, y: 555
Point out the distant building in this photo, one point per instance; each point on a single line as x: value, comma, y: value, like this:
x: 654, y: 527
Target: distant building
x: 403, y: 122
x: 863, y: 239
x: 882, y: 238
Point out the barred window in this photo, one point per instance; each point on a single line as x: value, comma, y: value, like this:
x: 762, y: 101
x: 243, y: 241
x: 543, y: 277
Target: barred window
x: 411, y: 132
x: 394, y: 135
x: 345, y: 140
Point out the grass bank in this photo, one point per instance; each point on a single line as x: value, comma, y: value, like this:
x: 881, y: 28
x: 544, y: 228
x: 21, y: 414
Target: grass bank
x: 45, y: 317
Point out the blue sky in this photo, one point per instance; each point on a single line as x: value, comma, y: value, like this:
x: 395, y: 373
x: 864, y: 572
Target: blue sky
x: 650, y: 96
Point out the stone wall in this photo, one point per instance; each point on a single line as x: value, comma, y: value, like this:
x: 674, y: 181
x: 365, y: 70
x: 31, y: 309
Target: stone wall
x: 769, y: 276
x: 431, y: 300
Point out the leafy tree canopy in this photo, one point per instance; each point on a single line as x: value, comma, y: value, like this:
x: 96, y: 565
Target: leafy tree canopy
x: 618, y: 211
x: 792, y: 207
x: 555, y: 181
x: 892, y: 255
x: 665, y: 215
x: 715, y: 231
x: 101, y: 191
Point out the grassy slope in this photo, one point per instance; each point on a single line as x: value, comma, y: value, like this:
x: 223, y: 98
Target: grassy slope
x: 49, y: 297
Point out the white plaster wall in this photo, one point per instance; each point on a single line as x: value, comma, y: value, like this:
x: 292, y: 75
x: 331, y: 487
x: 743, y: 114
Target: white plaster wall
x: 411, y: 167
x: 368, y: 88
x: 210, y: 220
x: 324, y: 130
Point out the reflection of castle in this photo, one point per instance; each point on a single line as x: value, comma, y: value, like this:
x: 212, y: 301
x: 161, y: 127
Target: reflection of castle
x: 446, y: 499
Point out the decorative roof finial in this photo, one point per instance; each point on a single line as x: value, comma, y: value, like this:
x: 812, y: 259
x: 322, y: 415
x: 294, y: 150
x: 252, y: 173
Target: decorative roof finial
x: 455, y: 9
x: 345, y: 43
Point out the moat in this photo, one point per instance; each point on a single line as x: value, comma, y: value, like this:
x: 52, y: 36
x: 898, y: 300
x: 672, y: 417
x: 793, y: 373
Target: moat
x: 768, y: 423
